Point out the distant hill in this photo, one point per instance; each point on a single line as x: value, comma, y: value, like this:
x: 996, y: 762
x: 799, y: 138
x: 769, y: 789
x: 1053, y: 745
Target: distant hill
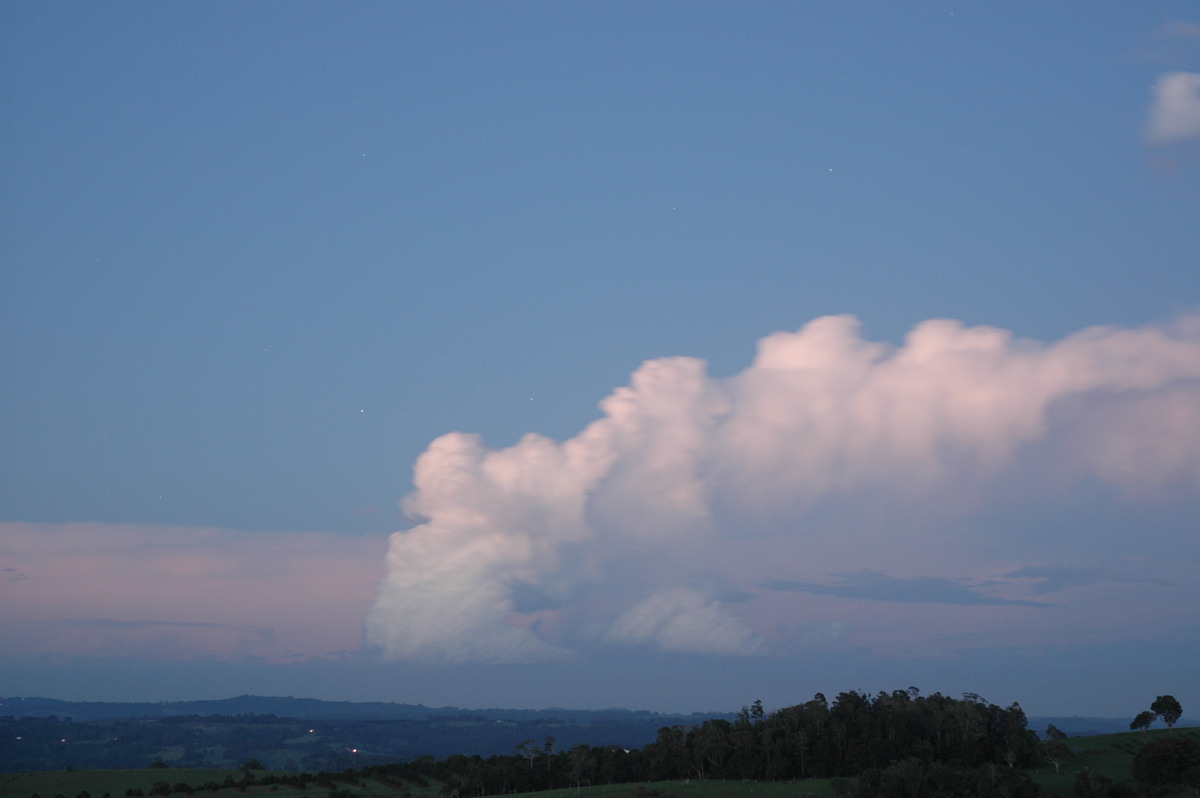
x: 314, y: 709
x: 295, y: 733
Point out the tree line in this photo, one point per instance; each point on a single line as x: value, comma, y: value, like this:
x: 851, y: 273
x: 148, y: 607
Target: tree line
x: 964, y: 746
x: 844, y: 737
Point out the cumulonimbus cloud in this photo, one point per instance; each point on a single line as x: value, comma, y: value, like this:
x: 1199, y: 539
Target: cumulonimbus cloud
x: 637, y: 530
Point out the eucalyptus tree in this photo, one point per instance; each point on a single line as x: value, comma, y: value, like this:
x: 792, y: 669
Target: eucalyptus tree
x: 1167, y: 708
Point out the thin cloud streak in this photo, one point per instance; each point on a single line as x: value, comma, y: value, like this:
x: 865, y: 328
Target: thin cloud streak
x: 874, y: 586
x: 88, y: 588
x: 1056, y: 578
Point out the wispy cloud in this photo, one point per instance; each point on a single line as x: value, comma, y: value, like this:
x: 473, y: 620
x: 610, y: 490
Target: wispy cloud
x: 1056, y: 578
x: 1183, y: 30
x: 874, y: 586
x: 109, y: 623
x: 1175, y: 109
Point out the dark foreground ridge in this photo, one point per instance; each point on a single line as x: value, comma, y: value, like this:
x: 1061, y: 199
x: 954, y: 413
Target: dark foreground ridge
x: 891, y: 744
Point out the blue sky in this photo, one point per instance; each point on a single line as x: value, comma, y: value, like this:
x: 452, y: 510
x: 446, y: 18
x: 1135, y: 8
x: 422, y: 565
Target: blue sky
x: 263, y: 260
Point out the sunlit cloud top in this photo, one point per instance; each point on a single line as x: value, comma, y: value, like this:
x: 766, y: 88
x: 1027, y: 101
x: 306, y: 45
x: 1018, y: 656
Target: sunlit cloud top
x: 638, y: 530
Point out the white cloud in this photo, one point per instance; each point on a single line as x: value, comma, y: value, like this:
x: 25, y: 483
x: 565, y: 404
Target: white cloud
x: 1175, y: 112
x: 684, y: 620
x: 625, y: 533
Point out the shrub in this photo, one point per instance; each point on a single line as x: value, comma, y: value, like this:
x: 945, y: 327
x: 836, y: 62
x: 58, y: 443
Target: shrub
x: 1164, y: 761
x: 1089, y: 785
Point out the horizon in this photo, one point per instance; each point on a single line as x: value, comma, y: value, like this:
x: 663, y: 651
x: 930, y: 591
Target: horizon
x: 1157, y: 723
x: 671, y: 356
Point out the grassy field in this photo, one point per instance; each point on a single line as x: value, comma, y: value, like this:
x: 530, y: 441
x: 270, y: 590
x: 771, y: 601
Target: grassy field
x: 116, y: 782
x: 1109, y: 755
x: 96, y: 783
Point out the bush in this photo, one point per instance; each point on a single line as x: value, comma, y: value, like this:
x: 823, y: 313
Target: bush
x: 1164, y: 761
x: 1089, y: 785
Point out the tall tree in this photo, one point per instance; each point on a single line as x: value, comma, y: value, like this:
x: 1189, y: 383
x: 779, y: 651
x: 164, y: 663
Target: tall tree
x: 1167, y: 708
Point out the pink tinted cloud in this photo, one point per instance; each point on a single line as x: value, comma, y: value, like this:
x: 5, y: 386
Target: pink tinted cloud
x: 830, y: 456
x: 171, y: 592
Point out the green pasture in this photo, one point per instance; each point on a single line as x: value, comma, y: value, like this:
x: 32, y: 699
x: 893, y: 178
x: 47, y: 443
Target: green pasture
x: 713, y: 788
x: 70, y: 784
x: 1108, y: 755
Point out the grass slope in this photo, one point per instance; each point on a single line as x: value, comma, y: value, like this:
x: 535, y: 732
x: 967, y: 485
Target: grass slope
x: 1108, y: 755
x: 96, y: 783
x: 70, y: 784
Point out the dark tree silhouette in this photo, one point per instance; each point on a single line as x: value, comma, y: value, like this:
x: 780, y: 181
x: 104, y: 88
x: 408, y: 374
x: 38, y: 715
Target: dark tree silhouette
x: 1164, y: 761
x: 1167, y: 708
x: 1142, y: 721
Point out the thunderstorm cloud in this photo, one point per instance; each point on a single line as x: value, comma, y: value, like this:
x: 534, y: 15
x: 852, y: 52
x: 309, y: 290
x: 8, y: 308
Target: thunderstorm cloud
x: 703, y: 515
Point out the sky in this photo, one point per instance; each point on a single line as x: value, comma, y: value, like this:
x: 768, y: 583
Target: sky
x: 663, y: 355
